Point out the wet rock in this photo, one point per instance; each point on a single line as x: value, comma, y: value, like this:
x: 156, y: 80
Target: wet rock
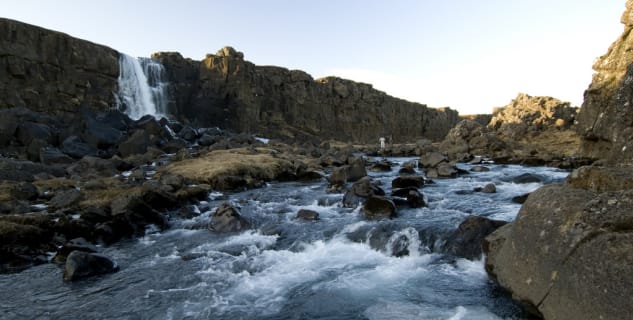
x: 415, y: 199
x: 79, y: 244
x: 76, y: 148
x: 479, y: 169
x: 228, y: 219
x: 8, y: 126
x: 81, y: 264
x: 188, y: 133
x: 408, y: 168
x: 356, y: 169
x: 150, y: 125
x: 361, y: 190
x: 381, y: 166
x: 379, y: 207
x: 408, y: 181
x: 489, y: 188
x: 527, y: 178
x: 338, y: 178
x: 520, y: 199
x: 308, y: 215
x: 208, y: 140
x: 466, y: 240
x: 432, y: 160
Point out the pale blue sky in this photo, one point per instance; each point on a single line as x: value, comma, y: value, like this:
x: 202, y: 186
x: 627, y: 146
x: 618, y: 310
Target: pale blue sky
x: 471, y: 55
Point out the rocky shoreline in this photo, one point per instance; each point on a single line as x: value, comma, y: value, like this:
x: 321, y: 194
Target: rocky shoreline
x: 76, y: 173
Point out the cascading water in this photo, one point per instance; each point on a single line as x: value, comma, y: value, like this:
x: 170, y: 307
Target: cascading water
x: 142, y: 87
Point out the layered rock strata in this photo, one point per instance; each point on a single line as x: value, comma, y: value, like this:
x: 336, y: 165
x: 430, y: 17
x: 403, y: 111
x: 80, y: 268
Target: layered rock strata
x: 226, y: 91
x: 52, y: 72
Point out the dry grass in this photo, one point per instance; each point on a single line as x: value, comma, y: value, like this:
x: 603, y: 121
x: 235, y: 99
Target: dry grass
x: 261, y: 163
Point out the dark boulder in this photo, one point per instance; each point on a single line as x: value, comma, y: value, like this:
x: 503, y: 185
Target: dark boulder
x: 79, y: 244
x: 76, y: 148
x: 408, y: 168
x: 100, y: 135
x: 432, y: 160
x: 208, y: 140
x: 489, y: 188
x: 16, y: 170
x: 81, y: 264
x: 338, y: 178
x: 520, y: 199
x: 308, y: 215
x: 150, y: 125
x: 29, y: 131
x: 527, y: 178
x: 361, y: 190
x: 228, y: 219
x: 137, y: 143
x: 356, y: 169
x: 379, y: 207
x: 188, y: 133
x: 415, y: 199
x: 466, y: 240
x: 408, y: 181
x: 381, y: 166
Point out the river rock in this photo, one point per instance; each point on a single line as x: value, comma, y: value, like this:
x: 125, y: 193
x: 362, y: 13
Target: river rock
x: 408, y: 181
x: 408, y: 168
x: 53, y: 156
x: 466, y: 240
x: 432, y: 160
x: 361, y: 190
x: 379, y: 207
x: 479, y: 169
x: 381, y: 166
x: 81, y: 264
x: 308, y: 215
x: 489, y: 188
x: 79, y: 244
x: 356, y: 169
x: 570, y: 249
x: 228, y: 219
x: 527, y: 178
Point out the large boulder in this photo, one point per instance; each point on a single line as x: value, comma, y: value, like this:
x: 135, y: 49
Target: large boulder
x: 76, y: 148
x: 379, y: 207
x: 228, y: 219
x: 361, y: 190
x: 568, y: 255
x: 466, y: 240
x: 80, y: 264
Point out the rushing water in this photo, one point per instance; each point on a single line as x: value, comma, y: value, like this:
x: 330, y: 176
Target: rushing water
x: 142, y: 87
x: 290, y: 269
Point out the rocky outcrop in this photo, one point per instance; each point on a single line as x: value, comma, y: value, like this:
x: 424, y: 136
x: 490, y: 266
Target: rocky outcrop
x: 53, y: 72
x: 529, y: 130
x: 227, y: 91
x: 569, y: 252
x: 606, y: 116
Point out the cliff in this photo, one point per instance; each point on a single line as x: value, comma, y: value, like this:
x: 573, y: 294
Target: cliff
x: 606, y: 115
x: 227, y: 91
x: 53, y: 72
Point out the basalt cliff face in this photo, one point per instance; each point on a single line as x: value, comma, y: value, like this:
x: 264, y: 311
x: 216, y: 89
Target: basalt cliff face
x: 227, y: 91
x: 606, y: 116
x: 52, y: 72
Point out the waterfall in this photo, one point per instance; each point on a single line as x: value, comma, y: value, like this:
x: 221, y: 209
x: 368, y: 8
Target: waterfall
x: 142, y: 87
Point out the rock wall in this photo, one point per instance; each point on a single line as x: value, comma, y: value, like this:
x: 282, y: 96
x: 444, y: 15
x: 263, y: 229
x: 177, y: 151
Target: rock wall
x: 226, y: 91
x: 606, y: 116
x: 52, y: 72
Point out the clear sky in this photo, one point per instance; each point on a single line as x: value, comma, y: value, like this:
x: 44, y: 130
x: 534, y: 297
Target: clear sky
x: 471, y: 55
